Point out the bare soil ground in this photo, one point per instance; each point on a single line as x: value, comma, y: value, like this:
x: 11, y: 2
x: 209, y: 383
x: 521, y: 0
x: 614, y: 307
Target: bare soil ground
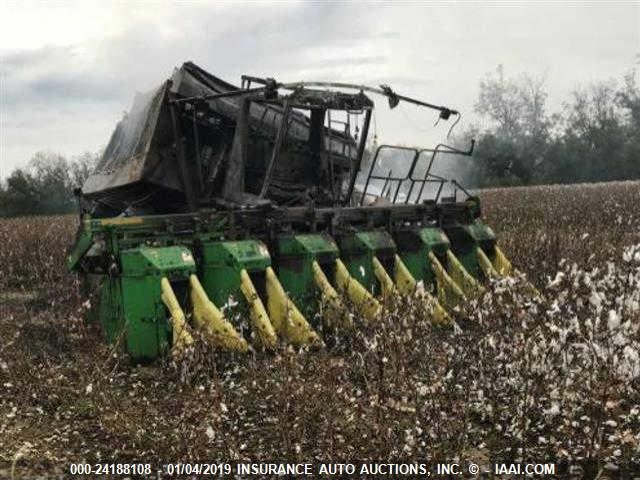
x: 521, y: 379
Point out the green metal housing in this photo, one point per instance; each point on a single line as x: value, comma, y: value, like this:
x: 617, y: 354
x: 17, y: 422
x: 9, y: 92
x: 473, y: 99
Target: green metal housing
x: 358, y: 250
x: 131, y: 302
x: 131, y: 255
x: 294, y: 258
x: 414, y: 247
x: 466, y: 239
x: 221, y: 264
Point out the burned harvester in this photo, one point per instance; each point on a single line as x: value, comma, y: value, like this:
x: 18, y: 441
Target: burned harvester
x: 257, y: 203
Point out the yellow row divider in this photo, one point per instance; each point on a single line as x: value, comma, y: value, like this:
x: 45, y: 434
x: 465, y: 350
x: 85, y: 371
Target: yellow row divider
x: 211, y: 322
x: 388, y: 288
x: 501, y: 263
x: 261, y: 323
x: 404, y: 280
x: 505, y: 268
x: 182, y: 338
x: 338, y: 313
x: 360, y: 296
x: 408, y: 285
x: 285, y: 316
x: 463, y: 279
x: 449, y: 293
x: 485, y: 264
x: 502, y: 267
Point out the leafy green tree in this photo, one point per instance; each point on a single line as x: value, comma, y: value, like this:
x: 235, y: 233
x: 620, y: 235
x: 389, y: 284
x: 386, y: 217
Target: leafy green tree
x: 597, y: 138
x: 46, y: 185
x: 628, y: 98
x: 513, y: 145
x: 20, y: 195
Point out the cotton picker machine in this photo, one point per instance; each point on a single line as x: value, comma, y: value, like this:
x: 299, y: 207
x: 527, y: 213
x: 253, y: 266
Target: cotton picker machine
x: 257, y: 215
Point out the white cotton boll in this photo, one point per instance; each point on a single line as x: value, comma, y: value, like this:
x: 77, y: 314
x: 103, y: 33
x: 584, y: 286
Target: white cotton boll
x: 553, y: 410
x: 210, y: 433
x: 231, y: 302
x: 631, y: 354
x: 613, y: 322
x: 563, y: 336
x: 584, y: 236
x: 574, y: 324
x: 556, y: 281
x: 596, y: 300
x: 597, y: 349
x: 588, y: 324
x: 619, y: 339
x: 535, y: 351
x: 555, y: 308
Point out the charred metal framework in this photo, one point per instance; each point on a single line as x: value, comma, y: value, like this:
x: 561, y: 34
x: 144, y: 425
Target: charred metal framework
x: 394, y: 184
x: 200, y: 142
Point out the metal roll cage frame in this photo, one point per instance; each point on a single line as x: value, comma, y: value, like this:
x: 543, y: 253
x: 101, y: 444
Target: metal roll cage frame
x: 428, y: 177
x: 268, y: 93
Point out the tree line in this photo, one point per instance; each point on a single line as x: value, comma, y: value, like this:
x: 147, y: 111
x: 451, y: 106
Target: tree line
x: 46, y: 185
x: 593, y: 137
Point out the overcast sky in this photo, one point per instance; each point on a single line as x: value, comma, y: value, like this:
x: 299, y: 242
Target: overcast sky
x: 69, y: 70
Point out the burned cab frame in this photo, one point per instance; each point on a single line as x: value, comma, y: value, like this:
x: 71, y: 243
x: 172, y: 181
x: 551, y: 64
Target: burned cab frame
x: 197, y: 141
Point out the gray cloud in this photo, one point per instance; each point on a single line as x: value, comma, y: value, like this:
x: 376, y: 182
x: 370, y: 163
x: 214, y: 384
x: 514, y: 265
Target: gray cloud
x: 52, y: 75
x: 32, y: 58
x: 63, y: 87
x: 68, y: 98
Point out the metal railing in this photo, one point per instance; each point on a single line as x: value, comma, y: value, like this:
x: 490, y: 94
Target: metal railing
x: 400, y: 188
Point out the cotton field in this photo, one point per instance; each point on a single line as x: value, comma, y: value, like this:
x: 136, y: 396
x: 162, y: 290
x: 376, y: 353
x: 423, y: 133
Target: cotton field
x: 520, y: 377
